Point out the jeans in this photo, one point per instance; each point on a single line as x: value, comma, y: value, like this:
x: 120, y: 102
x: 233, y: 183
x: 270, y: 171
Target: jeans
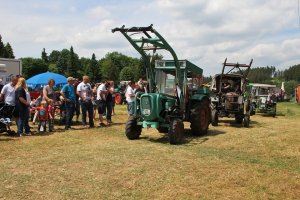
x: 108, y: 110
x: 70, y: 112
x: 87, y: 106
x: 77, y: 109
x: 23, y: 121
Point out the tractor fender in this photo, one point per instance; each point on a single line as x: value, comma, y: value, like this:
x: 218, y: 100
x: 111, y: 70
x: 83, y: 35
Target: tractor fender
x: 199, y: 97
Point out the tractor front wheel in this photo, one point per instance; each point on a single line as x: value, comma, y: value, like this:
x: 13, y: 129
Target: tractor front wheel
x: 214, y: 118
x: 132, y: 130
x: 274, y: 111
x: 200, y: 117
x: 246, y: 120
x: 176, y: 130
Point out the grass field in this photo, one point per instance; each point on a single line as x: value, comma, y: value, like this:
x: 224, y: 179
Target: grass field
x: 230, y: 162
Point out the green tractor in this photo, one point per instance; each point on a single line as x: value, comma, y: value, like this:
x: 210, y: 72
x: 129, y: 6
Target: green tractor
x: 174, y: 93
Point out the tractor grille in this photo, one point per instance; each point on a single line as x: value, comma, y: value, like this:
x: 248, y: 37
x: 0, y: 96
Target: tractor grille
x: 146, y: 102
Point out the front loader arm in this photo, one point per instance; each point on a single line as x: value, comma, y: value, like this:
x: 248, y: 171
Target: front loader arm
x: 157, y: 43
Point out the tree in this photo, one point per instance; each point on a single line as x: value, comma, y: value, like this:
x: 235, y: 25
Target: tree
x: 126, y: 74
x: 93, y: 69
x: 52, y: 68
x: 54, y: 56
x: 72, y: 64
x: 1, y: 48
x: 109, y: 70
x: 44, y: 56
x: 62, y: 62
x: 83, y: 64
x: 8, y: 52
x: 33, y: 66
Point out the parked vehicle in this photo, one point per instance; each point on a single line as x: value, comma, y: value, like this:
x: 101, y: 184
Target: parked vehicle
x: 263, y: 99
x: 8, y: 68
x: 170, y: 100
x: 229, y: 101
x: 120, y: 93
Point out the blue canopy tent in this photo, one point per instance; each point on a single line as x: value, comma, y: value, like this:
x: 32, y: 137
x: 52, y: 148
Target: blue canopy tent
x: 41, y: 80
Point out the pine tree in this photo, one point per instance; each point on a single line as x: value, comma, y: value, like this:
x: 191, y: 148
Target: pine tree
x: 1, y: 48
x: 73, y: 63
x: 9, y: 53
x: 93, y: 69
x: 62, y: 62
x: 44, y: 56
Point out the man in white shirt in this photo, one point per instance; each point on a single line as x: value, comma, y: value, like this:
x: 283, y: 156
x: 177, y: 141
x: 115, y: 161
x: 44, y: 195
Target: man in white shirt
x: 8, y: 92
x: 130, y: 98
x: 101, y: 98
x: 84, y: 91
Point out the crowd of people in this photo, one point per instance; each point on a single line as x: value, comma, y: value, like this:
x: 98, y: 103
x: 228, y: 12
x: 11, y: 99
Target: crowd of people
x: 76, y: 98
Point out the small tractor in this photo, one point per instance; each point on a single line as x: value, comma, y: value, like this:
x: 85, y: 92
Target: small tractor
x: 174, y: 93
x: 120, y: 93
x: 229, y: 101
x: 263, y: 99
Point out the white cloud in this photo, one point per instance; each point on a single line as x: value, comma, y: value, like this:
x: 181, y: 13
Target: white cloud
x: 204, y: 32
x: 98, y: 13
x: 73, y: 9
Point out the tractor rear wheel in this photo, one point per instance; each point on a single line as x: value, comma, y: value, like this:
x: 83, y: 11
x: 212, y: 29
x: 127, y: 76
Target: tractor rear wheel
x: 200, y: 117
x: 118, y: 98
x: 176, y: 131
x: 214, y: 118
x: 132, y: 130
x: 274, y: 111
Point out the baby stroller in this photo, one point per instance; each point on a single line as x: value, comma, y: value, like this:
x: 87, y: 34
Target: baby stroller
x: 61, y: 110
x: 5, y: 118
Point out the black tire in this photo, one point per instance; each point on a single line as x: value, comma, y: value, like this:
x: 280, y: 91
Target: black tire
x: 163, y: 129
x: 274, y: 111
x: 239, y: 118
x: 132, y: 130
x: 251, y: 110
x: 176, y: 130
x: 246, y: 120
x: 214, y: 118
x: 200, y: 117
x: 248, y: 105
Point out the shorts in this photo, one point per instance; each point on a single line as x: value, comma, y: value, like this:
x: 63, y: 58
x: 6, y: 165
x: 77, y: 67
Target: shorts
x: 130, y: 106
x: 95, y: 106
x: 101, y: 106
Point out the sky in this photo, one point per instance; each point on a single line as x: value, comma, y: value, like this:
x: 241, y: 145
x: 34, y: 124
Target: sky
x: 203, y: 32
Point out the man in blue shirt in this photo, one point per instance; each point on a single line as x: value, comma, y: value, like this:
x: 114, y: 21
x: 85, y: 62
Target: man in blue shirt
x: 68, y: 93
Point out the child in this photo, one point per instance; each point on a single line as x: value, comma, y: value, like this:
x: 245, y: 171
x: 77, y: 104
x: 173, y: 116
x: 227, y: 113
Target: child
x: 32, y: 108
x: 42, y: 116
x: 38, y: 104
x: 51, y: 115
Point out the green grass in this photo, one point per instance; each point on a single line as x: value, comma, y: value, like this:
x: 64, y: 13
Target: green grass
x: 230, y: 162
